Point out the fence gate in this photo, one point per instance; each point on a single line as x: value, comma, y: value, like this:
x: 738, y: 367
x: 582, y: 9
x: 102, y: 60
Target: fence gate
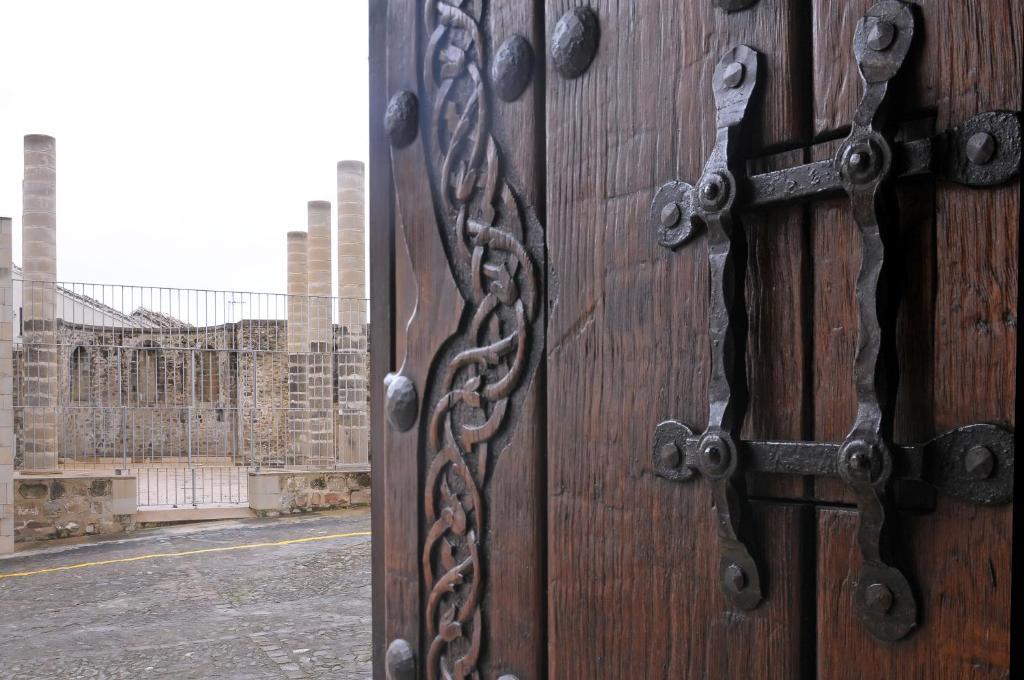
x: 187, y: 389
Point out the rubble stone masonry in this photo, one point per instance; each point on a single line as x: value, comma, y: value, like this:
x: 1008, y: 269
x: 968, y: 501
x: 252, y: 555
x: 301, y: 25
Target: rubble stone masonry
x: 127, y: 394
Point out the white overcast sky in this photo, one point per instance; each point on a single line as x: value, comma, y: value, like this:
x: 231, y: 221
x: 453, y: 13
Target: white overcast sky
x: 190, y: 134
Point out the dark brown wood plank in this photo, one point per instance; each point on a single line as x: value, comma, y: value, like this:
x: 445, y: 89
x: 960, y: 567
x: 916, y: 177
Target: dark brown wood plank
x: 835, y: 244
x: 837, y: 85
x: 514, y: 604
x: 438, y: 307
x: 632, y: 568
x: 961, y: 558
x: 961, y: 319
x: 778, y: 280
x: 957, y: 337
x: 382, y: 244
x: 966, y: 60
x: 433, y: 301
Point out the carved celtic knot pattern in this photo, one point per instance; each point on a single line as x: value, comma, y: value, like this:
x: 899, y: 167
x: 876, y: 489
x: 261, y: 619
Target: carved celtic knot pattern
x: 483, y: 227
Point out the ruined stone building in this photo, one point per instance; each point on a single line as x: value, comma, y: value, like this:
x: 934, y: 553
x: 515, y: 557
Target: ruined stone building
x: 120, y: 376
x: 147, y: 387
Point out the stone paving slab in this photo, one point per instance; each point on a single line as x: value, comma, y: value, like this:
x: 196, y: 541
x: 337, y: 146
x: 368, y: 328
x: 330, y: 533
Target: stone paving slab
x: 288, y: 611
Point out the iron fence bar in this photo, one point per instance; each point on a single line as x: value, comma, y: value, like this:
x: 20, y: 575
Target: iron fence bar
x: 122, y: 354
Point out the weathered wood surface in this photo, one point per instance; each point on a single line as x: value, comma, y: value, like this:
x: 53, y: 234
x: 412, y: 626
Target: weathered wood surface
x: 778, y: 312
x: 429, y: 311
x: 630, y: 563
x: 429, y: 292
x: 957, y: 341
x: 382, y: 308
x: 633, y: 559
x: 961, y: 561
x: 515, y: 540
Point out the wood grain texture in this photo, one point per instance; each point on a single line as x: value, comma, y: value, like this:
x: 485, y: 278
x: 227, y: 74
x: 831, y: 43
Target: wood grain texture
x: 430, y: 308
x: 632, y: 570
x: 629, y: 561
x: 836, y: 260
x: 778, y: 315
x: 438, y: 308
x: 961, y: 561
x: 956, y: 339
x: 515, y: 542
x: 382, y: 249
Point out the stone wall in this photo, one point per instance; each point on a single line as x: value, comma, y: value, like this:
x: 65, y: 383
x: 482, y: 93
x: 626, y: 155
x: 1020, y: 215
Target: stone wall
x: 144, y: 395
x: 73, y: 505
x: 278, y: 492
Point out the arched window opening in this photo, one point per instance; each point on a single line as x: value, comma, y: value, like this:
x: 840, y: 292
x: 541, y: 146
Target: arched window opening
x: 81, y: 375
x: 148, y: 377
x: 208, y: 378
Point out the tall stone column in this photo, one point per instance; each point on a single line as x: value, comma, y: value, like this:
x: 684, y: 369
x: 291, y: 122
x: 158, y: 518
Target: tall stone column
x: 39, y: 266
x: 6, y: 390
x: 320, y: 374
x: 353, y: 362
x: 351, y: 230
x: 298, y: 349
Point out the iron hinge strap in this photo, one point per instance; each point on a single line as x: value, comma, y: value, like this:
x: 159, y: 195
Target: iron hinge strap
x: 884, y: 599
x: 974, y: 463
x: 734, y: 82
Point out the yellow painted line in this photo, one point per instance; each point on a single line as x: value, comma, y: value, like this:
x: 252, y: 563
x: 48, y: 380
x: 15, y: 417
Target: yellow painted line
x: 184, y: 553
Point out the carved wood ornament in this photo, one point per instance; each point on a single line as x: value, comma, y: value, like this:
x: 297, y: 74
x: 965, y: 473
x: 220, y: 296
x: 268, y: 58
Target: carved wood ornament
x: 478, y: 374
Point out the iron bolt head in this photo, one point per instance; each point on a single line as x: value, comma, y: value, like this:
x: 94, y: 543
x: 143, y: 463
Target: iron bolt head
x: 860, y: 460
x: 400, y: 660
x: 670, y: 456
x: 979, y: 462
x: 881, y: 35
x: 733, y: 75
x: 574, y: 42
x: 401, y: 118
x: 714, y: 191
x: 512, y: 68
x: 879, y: 597
x: 859, y: 159
x: 401, y: 404
x: 980, y: 148
x: 735, y: 577
x: 670, y: 215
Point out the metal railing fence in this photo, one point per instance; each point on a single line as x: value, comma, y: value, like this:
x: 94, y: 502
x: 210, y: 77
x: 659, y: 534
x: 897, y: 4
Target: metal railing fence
x: 154, y: 378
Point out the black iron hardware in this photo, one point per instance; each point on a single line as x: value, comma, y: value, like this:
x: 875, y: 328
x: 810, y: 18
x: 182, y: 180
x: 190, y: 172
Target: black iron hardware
x: 574, y: 42
x: 400, y: 118
x: 973, y: 463
x: 734, y: 5
x: 512, y: 68
x: 400, y: 661
x: 401, y: 404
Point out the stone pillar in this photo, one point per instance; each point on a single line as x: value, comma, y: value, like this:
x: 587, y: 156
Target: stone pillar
x: 320, y: 375
x: 298, y: 349
x: 351, y: 229
x: 6, y: 390
x: 353, y: 361
x: 39, y: 266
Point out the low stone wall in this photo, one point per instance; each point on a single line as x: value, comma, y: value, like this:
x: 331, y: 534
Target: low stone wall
x: 278, y: 492
x: 81, y: 504
x: 61, y: 506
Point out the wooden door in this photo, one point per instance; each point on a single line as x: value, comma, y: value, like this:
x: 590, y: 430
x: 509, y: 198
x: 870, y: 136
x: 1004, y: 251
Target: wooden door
x: 529, y: 333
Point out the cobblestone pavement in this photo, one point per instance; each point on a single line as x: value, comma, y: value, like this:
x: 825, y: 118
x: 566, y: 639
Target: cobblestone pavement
x: 299, y: 610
